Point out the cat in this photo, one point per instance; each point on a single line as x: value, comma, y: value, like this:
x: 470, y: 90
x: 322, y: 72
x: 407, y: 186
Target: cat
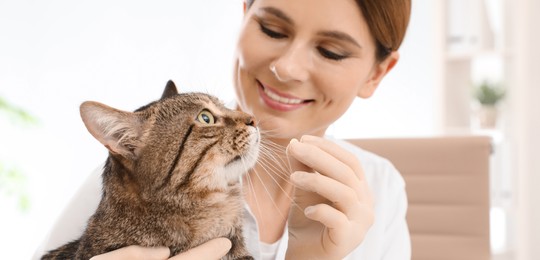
x: 172, y: 177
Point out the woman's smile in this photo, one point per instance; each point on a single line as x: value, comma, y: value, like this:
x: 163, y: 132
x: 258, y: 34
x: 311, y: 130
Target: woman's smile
x: 280, y: 101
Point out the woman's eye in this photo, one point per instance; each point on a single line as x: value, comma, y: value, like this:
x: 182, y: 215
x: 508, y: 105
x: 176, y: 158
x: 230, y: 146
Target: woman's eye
x: 206, y: 117
x: 331, y: 55
x: 271, y: 33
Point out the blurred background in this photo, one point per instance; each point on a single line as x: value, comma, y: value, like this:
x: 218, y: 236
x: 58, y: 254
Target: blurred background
x: 467, y: 67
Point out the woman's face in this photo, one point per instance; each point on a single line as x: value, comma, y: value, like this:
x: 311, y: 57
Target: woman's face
x: 301, y: 63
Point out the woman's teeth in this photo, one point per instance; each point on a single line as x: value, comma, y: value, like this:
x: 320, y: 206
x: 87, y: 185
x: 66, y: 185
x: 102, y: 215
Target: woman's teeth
x: 281, y: 99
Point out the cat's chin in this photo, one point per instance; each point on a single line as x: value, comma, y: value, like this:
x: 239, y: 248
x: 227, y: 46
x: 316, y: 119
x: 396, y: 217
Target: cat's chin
x: 234, y: 170
x: 240, y: 165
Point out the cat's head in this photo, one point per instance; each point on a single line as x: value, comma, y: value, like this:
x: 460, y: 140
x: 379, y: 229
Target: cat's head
x: 182, y: 141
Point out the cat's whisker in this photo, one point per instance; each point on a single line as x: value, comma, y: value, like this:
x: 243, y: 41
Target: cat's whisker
x: 271, y: 155
x: 273, y: 163
x: 269, y: 143
x: 269, y: 132
x: 286, y: 193
x: 270, y: 195
x: 275, y: 169
x: 250, y: 182
x: 279, y: 149
x: 274, y: 152
x: 269, y: 172
x: 277, y: 155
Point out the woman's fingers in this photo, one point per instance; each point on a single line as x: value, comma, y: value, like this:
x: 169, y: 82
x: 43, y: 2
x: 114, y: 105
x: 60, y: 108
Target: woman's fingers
x: 337, y: 152
x: 135, y: 252
x: 335, y: 219
x: 327, y: 215
x: 341, y: 179
x: 211, y: 250
x: 323, y: 162
x: 330, y: 160
x: 343, y: 197
x: 338, y: 225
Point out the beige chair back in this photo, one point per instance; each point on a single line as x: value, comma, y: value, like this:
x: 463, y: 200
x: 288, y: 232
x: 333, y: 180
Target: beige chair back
x: 447, y: 182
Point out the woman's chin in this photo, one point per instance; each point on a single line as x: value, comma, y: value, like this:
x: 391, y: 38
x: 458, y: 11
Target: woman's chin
x: 273, y: 129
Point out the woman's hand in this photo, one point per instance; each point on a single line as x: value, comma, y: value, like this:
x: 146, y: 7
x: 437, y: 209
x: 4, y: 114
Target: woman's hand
x: 333, y: 206
x: 211, y: 250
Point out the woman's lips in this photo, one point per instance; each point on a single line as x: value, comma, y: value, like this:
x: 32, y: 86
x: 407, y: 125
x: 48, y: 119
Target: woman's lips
x: 280, y: 101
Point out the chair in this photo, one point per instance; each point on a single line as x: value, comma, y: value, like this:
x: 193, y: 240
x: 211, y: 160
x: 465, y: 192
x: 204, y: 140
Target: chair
x: 447, y: 182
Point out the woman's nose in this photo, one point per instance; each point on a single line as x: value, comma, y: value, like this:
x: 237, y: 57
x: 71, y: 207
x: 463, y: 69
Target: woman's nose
x: 292, y: 65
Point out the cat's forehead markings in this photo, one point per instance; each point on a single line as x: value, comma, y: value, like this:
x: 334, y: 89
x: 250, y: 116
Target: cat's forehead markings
x: 213, y: 108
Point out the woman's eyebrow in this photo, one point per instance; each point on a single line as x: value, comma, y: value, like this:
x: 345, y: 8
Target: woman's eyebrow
x: 330, y: 34
x: 340, y: 36
x: 278, y: 13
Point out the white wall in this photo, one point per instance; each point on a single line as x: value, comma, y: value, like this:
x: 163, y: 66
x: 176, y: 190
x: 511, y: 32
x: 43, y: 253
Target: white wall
x: 407, y: 103
x: 56, y: 54
x: 525, y: 108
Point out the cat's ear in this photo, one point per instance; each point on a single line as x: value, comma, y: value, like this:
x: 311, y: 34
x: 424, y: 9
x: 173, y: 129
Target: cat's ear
x: 170, y: 90
x: 118, y: 130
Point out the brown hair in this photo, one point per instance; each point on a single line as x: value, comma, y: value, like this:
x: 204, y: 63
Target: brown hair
x: 387, y: 21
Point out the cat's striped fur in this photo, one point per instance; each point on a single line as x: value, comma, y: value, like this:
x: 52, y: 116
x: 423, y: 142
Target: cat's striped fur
x: 172, y: 175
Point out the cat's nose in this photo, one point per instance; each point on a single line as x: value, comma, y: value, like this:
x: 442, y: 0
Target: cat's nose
x: 250, y: 121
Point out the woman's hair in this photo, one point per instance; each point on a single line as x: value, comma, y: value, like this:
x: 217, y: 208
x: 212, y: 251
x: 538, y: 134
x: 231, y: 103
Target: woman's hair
x: 387, y: 21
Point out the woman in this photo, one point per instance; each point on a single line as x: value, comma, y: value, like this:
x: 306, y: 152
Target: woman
x: 300, y: 64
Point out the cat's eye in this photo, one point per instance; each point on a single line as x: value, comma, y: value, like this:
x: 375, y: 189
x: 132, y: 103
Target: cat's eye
x: 206, y: 117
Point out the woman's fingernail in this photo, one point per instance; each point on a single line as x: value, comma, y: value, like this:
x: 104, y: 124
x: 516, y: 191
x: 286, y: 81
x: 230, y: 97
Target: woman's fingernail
x: 309, y: 210
x: 294, y: 140
x: 225, y: 245
x: 296, y: 177
x: 307, y: 138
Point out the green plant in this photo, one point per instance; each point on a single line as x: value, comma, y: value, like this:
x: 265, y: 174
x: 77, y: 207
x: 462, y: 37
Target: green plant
x: 13, y: 181
x: 13, y: 184
x: 489, y: 94
x: 16, y: 113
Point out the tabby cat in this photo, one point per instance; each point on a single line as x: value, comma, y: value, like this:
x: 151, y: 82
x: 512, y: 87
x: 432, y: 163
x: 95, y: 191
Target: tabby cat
x: 171, y: 177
